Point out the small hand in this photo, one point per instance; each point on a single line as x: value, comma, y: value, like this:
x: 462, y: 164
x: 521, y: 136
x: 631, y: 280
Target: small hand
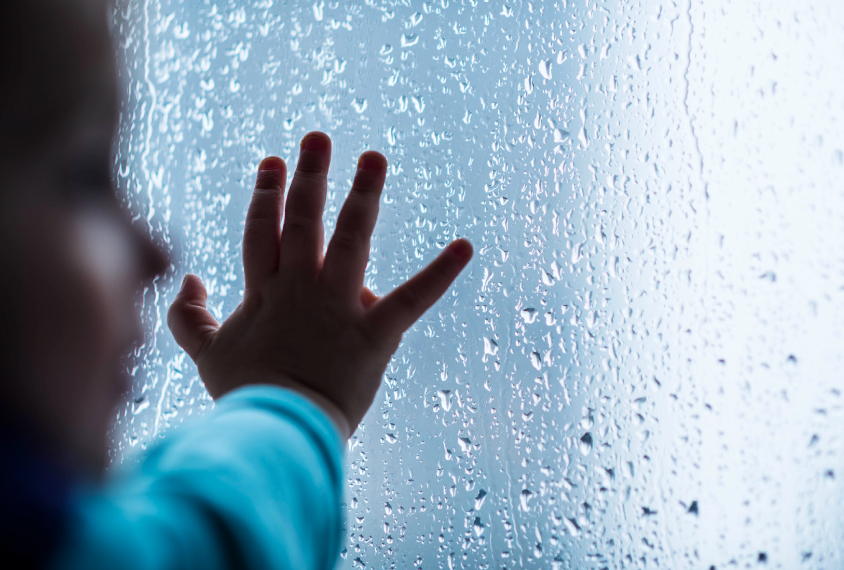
x: 307, y: 322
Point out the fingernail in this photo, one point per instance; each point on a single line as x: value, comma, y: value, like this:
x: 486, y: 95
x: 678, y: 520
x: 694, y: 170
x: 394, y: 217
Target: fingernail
x: 315, y: 142
x: 462, y: 249
x: 372, y: 162
x: 184, y: 282
x: 271, y: 163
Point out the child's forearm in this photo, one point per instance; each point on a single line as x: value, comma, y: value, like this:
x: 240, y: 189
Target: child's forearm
x: 257, y: 485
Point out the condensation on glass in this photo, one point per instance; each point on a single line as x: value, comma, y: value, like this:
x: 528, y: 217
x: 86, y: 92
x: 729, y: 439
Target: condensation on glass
x: 641, y: 368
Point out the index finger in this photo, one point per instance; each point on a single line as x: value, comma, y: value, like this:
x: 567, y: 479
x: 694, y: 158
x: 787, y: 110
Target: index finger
x: 262, y: 230
x: 396, y: 312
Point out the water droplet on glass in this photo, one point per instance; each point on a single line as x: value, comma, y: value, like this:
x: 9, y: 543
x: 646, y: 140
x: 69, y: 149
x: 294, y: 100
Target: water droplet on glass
x: 359, y: 105
x: 408, y: 40
x: 585, y: 444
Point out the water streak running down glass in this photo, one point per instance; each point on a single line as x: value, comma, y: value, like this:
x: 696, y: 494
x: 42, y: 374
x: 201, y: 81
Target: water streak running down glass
x: 641, y: 368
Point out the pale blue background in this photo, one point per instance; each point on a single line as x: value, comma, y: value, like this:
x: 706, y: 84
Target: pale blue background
x: 641, y: 366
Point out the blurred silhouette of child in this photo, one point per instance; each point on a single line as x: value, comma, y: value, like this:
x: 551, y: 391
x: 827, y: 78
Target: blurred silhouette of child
x: 258, y: 483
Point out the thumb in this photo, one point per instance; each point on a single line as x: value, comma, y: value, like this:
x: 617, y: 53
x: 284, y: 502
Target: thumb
x: 189, y: 321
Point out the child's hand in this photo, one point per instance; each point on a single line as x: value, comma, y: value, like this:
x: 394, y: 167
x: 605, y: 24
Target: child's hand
x: 306, y: 322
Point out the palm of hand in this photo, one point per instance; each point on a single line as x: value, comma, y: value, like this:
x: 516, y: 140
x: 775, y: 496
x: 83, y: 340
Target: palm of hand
x: 307, y: 322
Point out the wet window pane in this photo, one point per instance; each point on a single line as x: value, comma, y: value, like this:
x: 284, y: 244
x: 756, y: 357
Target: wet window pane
x: 641, y: 366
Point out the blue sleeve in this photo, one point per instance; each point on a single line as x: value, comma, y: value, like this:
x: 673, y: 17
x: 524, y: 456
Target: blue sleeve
x: 256, y: 485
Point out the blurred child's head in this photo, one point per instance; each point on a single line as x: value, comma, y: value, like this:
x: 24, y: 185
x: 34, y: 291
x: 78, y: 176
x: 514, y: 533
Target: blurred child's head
x: 71, y: 261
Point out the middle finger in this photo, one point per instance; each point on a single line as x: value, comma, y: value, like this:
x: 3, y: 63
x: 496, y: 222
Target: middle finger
x: 302, y: 234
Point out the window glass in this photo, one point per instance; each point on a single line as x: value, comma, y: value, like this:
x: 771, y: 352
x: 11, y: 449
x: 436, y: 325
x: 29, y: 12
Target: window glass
x: 641, y: 366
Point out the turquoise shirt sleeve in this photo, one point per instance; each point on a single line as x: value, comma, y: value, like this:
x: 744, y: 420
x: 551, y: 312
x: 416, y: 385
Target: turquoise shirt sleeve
x: 258, y: 484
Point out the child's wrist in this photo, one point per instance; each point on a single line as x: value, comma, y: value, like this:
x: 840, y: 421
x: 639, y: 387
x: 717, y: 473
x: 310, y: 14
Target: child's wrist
x: 329, y: 408
x: 338, y: 418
